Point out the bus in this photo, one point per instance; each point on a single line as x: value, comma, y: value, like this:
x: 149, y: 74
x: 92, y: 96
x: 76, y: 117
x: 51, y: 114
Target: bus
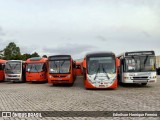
x: 137, y: 67
x: 78, y: 68
x: 15, y: 71
x: 100, y: 70
x: 2, y: 64
x: 61, y: 69
x: 36, y: 69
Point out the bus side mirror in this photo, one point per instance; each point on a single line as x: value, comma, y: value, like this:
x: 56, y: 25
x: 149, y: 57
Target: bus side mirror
x: 3, y: 66
x: 117, y: 62
x: 74, y: 64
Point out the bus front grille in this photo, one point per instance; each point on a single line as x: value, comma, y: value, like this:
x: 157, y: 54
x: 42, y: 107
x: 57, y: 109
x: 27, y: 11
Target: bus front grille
x: 140, y: 78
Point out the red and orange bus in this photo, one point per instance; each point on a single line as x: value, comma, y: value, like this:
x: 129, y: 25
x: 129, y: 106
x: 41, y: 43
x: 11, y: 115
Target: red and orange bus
x: 61, y: 69
x: 36, y: 69
x: 2, y: 64
x: 78, y: 68
x: 100, y: 70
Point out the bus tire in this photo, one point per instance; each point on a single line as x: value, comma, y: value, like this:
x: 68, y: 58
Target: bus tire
x: 144, y: 84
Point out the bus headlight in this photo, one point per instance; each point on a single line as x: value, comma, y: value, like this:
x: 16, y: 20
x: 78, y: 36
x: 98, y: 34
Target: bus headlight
x: 68, y: 76
x: 126, y: 77
x: 89, y: 78
x: 154, y: 77
x: 41, y: 75
x: 50, y: 76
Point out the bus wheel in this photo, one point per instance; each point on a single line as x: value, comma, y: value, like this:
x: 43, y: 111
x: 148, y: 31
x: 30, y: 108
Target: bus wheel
x: 144, y: 84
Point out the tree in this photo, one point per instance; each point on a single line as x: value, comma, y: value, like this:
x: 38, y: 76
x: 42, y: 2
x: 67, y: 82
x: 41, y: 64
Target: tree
x: 12, y: 52
x: 35, y: 54
x: 1, y: 54
x: 45, y: 56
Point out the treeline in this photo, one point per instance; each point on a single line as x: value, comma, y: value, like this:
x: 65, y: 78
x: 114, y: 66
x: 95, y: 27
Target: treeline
x: 12, y: 52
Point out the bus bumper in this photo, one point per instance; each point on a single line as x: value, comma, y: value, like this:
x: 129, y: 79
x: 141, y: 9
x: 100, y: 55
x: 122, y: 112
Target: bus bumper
x: 13, y: 79
x: 139, y: 81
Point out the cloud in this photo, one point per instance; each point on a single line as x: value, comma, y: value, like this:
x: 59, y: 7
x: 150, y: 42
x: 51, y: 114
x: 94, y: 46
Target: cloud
x: 76, y: 50
x: 1, y: 32
x: 101, y: 38
x: 146, y: 34
x: 28, y: 49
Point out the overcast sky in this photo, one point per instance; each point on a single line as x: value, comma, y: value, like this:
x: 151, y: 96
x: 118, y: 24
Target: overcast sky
x: 78, y: 26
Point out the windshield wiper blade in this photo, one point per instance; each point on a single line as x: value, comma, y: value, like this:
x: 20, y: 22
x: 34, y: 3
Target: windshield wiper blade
x: 62, y: 62
x: 36, y: 68
x: 15, y: 66
x: 30, y: 69
x: 145, y: 60
x: 10, y: 66
x: 55, y: 64
x: 105, y: 71
x: 97, y: 72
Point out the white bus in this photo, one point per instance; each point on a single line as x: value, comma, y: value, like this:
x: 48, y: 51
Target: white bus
x: 14, y: 71
x: 137, y: 67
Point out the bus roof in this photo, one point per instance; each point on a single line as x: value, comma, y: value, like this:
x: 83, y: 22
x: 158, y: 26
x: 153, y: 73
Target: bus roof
x: 2, y: 61
x: 54, y: 57
x: 137, y: 53
x: 99, y: 54
x: 14, y: 61
x: 78, y: 62
x: 36, y: 60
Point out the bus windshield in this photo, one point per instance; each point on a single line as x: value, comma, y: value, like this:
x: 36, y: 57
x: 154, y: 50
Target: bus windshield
x: 59, y: 66
x: 101, y: 65
x: 35, y: 67
x: 140, y: 63
x: 13, y: 67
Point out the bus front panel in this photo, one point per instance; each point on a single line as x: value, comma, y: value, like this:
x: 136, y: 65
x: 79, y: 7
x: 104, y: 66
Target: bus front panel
x: 36, y: 72
x: 101, y: 72
x: 13, y: 71
x: 139, y: 69
x: 60, y: 71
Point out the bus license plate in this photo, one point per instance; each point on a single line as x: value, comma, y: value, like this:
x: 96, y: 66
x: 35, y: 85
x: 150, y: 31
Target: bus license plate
x: 102, y: 86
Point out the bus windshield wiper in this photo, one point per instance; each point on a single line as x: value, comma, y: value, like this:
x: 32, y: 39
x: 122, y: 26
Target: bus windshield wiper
x: 62, y: 63
x: 36, y: 68
x: 145, y: 61
x: 105, y: 71
x: 15, y: 66
x: 55, y: 64
x: 10, y: 66
x: 30, y: 69
x: 97, y: 72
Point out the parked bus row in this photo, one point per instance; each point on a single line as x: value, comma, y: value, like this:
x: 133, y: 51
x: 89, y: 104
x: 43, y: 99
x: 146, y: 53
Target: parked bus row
x: 100, y: 70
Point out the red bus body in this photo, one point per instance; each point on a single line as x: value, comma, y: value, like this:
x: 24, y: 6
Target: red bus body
x: 2, y: 64
x: 36, y: 69
x: 100, y: 70
x: 61, y: 69
x: 78, y: 68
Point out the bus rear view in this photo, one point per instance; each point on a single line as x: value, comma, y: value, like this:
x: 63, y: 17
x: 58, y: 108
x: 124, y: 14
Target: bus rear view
x: 14, y: 71
x: 137, y: 67
x: 2, y: 64
x: 61, y: 69
x: 78, y: 68
x: 100, y: 70
x: 36, y: 69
